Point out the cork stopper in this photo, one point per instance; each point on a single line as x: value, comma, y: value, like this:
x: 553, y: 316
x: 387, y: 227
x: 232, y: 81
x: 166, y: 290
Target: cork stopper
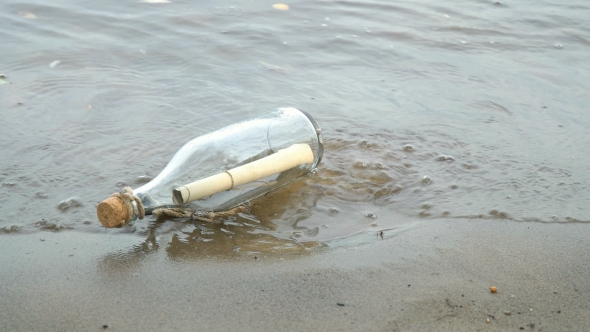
x: 112, y: 212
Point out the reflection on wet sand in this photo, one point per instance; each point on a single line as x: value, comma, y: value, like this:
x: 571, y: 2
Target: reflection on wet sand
x: 252, y: 232
x: 247, y: 235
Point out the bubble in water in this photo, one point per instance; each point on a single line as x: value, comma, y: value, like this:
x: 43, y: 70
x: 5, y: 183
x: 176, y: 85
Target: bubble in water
x: 50, y: 225
x: 426, y: 179
x: 9, y: 229
x: 408, y: 148
x: 371, y: 215
x: 226, y: 11
x: 445, y: 158
x: 27, y: 14
x: 71, y: 202
x: 360, y: 164
x: 424, y: 214
x: 365, y: 144
x: 498, y: 214
x: 558, y: 46
x: 142, y: 179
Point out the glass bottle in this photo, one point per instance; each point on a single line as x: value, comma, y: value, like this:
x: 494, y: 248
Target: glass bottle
x: 231, y: 166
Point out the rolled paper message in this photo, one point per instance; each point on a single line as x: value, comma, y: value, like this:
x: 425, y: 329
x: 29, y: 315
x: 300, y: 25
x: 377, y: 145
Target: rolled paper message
x: 282, y: 160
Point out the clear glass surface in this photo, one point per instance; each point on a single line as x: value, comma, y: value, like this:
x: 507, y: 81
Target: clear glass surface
x: 230, y: 147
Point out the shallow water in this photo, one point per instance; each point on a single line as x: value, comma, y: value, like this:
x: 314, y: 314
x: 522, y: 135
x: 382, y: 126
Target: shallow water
x: 455, y: 110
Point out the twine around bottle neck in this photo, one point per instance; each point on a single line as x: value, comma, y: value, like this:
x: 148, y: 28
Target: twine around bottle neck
x: 126, y: 195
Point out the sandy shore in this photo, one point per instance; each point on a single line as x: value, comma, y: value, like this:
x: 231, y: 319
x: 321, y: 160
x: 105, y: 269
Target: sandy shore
x: 432, y: 277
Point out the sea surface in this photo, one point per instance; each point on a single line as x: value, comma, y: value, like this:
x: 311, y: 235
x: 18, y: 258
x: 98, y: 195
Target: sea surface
x: 457, y: 109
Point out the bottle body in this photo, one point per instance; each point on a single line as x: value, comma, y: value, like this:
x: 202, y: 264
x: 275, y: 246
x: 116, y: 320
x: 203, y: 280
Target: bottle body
x: 230, y: 147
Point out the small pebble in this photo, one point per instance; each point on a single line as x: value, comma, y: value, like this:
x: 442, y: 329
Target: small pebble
x: 507, y: 313
x: 340, y: 304
x: 105, y: 326
x: 493, y: 289
x: 280, y: 6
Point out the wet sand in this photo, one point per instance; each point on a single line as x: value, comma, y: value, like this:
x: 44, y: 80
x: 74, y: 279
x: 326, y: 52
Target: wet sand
x: 433, y: 277
x: 430, y: 110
